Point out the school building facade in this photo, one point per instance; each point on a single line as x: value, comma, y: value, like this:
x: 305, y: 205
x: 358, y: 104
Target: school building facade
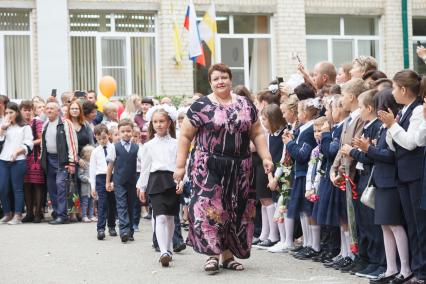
x: 71, y: 44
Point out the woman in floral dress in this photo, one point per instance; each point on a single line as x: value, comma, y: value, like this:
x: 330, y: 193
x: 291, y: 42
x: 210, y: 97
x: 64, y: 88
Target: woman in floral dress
x: 222, y: 206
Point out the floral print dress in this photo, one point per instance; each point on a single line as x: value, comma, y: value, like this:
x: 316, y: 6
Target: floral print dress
x: 222, y: 208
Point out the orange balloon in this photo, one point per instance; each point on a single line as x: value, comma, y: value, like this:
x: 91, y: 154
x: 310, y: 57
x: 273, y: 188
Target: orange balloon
x: 108, y: 86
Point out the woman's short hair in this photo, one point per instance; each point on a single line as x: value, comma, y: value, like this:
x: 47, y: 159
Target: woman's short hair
x: 221, y: 68
x: 374, y: 75
x: 27, y: 104
x: 88, y: 107
x: 304, y: 91
x: 147, y: 101
x: 367, y: 63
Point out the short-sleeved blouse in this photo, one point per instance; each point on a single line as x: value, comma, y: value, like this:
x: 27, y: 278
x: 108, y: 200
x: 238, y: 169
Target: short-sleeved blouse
x: 223, y: 130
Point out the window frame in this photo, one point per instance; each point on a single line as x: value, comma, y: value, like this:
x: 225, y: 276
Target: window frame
x: 415, y: 39
x: 355, y: 38
x: 245, y: 37
x: 2, y: 57
x: 127, y: 37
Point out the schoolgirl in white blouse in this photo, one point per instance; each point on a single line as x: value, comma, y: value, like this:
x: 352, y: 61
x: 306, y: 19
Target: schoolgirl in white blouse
x: 158, y: 162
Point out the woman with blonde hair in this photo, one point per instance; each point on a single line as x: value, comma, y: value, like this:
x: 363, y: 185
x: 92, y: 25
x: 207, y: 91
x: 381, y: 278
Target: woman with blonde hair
x: 133, y: 105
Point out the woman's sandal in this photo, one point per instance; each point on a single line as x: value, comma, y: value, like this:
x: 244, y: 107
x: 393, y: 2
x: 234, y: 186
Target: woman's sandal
x: 211, y: 266
x: 231, y: 264
x: 165, y: 259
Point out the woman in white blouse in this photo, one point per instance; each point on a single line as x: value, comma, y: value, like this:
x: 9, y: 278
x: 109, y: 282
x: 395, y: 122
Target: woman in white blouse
x: 16, y: 139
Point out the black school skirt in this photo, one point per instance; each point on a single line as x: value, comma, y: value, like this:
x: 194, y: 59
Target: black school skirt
x: 162, y: 193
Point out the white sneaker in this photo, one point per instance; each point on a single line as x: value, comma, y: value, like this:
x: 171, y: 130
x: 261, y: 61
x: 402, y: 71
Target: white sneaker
x: 15, y: 221
x: 5, y: 219
x: 277, y: 248
x: 94, y: 219
x: 86, y: 220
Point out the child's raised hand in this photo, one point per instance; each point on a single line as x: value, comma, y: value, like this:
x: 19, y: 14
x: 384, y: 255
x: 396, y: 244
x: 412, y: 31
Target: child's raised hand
x: 325, y: 127
x: 386, y: 117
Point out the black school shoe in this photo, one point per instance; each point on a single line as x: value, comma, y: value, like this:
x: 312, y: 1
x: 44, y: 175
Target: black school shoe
x: 124, y: 238
x: 348, y: 268
x: 265, y: 244
x: 307, y: 254
x: 382, y: 278
x: 334, y: 261
x: 359, y: 265
x: 112, y: 232
x: 328, y: 257
x: 179, y: 248
x: 365, y: 272
x: 401, y: 279
x: 296, y: 250
x: 345, y: 262
x: 101, y: 235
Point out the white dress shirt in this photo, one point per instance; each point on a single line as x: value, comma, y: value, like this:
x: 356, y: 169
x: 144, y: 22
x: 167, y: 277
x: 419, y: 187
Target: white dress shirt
x: 407, y: 139
x: 98, y: 164
x: 158, y: 154
x: 16, y: 137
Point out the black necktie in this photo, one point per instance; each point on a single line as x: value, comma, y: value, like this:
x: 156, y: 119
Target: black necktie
x: 105, y: 151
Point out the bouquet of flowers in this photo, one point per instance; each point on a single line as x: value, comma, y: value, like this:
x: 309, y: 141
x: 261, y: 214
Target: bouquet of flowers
x: 284, y: 188
x: 316, y: 160
x: 73, y: 200
x: 73, y: 203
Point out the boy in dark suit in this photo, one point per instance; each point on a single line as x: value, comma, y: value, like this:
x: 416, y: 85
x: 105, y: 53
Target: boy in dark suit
x: 122, y: 159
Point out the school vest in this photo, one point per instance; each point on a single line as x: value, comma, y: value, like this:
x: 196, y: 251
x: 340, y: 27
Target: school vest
x: 125, y: 164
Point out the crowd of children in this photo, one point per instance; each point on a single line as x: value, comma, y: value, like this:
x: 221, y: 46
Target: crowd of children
x: 356, y: 154
x: 347, y: 189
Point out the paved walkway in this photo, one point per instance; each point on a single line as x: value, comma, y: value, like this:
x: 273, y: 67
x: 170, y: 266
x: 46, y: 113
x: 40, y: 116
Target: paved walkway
x: 41, y: 253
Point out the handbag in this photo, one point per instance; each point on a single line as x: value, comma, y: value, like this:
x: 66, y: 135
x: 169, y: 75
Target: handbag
x: 369, y: 195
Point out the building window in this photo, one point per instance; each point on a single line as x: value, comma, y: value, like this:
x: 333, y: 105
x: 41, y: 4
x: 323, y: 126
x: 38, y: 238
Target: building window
x: 244, y: 44
x: 340, y: 39
x: 15, y: 53
x: 120, y: 44
x: 419, y: 34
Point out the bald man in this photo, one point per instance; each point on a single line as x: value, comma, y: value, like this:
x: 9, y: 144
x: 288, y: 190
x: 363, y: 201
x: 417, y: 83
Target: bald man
x: 324, y: 74
x: 58, y: 159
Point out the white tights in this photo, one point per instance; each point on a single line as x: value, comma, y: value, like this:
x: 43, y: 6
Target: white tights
x: 164, y: 227
x: 395, y: 238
